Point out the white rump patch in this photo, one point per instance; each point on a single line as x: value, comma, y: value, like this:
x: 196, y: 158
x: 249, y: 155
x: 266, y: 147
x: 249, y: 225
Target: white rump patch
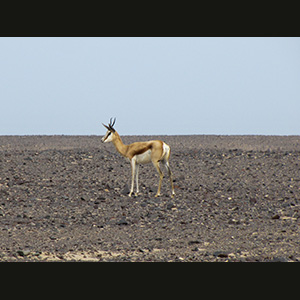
x: 166, y: 149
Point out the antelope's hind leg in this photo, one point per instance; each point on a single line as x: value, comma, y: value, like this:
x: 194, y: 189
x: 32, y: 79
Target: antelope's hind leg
x: 166, y: 164
x: 156, y: 164
x: 137, y: 179
x: 170, y: 177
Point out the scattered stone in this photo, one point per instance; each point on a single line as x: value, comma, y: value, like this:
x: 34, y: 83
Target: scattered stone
x: 125, y: 190
x: 170, y: 205
x: 222, y: 254
x: 278, y: 259
x: 192, y: 242
x: 234, y: 208
x: 275, y: 217
x: 23, y: 252
x: 289, y: 218
x: 122, y: 221
x: 234, y: 221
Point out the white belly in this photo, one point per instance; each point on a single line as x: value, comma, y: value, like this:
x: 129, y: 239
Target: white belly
x: 144, y: 158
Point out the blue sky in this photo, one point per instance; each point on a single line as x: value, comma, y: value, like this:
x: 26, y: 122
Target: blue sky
x: 163, y: 85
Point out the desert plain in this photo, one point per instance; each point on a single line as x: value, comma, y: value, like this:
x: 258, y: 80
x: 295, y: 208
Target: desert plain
x: 65, y: 198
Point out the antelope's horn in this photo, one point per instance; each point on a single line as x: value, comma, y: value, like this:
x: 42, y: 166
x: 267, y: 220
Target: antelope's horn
x: 111, y: 124
x: 106, y: 127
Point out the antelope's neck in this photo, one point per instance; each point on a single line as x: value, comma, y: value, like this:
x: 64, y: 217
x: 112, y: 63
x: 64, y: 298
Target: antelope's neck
x: 122, y: 149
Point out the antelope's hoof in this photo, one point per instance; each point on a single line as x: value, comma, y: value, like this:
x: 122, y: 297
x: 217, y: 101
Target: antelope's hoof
x: 157, y: 195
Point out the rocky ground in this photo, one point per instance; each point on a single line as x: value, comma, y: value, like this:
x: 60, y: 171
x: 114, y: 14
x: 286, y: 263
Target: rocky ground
x: 64, y: 198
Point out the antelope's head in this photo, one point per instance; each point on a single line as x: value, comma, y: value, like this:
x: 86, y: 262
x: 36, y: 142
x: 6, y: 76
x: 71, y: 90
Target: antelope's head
x: 110, y: 131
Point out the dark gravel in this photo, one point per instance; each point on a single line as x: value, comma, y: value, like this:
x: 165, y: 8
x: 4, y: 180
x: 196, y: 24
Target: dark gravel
x: 65, y: 198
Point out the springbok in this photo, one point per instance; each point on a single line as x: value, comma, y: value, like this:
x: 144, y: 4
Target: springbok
x: 141, y: 153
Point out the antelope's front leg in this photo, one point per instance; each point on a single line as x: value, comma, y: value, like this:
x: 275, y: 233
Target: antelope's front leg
x: 133, y: 168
